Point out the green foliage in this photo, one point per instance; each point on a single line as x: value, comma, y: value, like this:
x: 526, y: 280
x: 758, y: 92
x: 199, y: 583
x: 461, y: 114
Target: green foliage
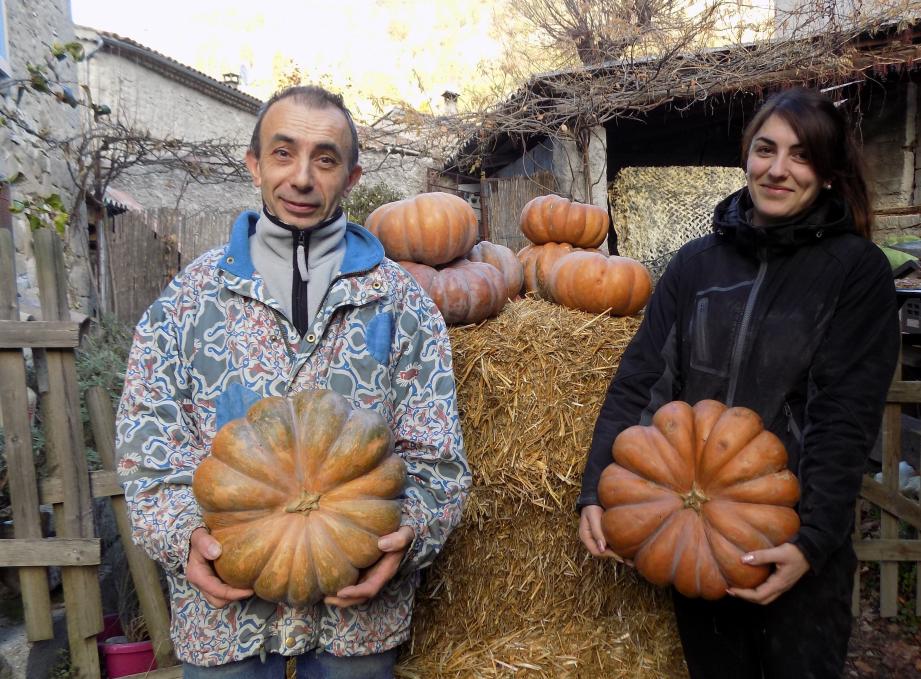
x: 364, y: 199
x: 63, y: 668
x: 42, y: 211
x: 101, y: 360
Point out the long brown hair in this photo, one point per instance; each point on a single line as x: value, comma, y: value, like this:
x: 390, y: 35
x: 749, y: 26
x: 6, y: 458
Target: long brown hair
x: 825, y: 134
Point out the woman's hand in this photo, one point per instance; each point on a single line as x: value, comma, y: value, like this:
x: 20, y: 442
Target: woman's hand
x: 203, y: 549
x: 591, y: 535
x: 790, y: 564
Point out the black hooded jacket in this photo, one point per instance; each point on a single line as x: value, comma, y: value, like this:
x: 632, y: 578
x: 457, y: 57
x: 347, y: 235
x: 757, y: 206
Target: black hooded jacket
x: 798, y: 322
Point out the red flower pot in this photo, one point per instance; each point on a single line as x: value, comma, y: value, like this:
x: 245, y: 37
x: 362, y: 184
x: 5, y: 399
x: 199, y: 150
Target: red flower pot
x: 124, y: 658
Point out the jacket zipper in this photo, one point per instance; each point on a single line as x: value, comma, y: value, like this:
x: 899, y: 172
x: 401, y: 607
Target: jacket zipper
x: 792, y: 426
x: 736, y: 362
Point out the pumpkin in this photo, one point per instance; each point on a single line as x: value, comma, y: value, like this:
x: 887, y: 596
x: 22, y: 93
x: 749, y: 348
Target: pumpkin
x: 430, y: 228
x: 298, y: 493
x: 537, y: 261
x: 504, y: 260
x: 464, y: 291
x: 692, y: 492
x: 554, y: 219
x: 595, y: 282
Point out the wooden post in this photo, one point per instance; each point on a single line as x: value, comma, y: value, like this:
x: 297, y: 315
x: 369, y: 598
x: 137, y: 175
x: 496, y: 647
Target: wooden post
x: 20, y: 462
x: 67, y: 460
x: 888, y: 524
x: 143, y: 570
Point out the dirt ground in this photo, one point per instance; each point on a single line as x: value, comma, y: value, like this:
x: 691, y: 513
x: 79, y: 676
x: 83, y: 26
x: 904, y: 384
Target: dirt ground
x: 884, y: 648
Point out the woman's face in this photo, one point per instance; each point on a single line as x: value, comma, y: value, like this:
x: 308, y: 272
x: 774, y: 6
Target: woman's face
x: 781, y: 180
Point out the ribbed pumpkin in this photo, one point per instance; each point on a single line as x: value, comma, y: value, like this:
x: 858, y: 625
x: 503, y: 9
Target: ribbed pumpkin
x: 504, y: 260
x: 298, y: 493
x: 430, y: 228
x: 464, y: 291
x: 688, y: 495
x: 537, y: 261
x: 594, y: 282
x: 554, y: 219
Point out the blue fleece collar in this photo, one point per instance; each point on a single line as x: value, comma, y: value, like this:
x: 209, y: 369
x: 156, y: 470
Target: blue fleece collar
x: 363, y: 251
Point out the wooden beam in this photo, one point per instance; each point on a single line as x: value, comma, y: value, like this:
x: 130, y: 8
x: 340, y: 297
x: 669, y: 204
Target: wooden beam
x: 49, y: 552
x: 103, y: 483
x: 904, y: 392
x: 20, y: 461
x: 888, y: 550
x: 46, y: 334
x: 891, y: 501
x: 144, y: 572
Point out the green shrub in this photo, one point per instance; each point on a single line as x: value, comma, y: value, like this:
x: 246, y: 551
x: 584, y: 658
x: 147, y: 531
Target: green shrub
x: 365, y: 198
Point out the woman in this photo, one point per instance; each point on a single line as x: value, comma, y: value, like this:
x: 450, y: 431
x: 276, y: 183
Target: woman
x: 789, y: 309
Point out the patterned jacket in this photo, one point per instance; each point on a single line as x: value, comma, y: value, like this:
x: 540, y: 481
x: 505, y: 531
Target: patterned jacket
x: 214, y: 343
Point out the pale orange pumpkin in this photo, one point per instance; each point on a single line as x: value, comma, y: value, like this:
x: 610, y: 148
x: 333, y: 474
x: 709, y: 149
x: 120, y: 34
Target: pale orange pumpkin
x: 537, y: 261
x: 298, y: 493
x: 594, y: 282
x: 504, y: 260
x: 430, y: 228
x: 691, y: 493
x: 554, y: 219
x: 463, y: 291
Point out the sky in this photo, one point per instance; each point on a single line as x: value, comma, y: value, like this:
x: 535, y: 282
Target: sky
x: 398, y: 49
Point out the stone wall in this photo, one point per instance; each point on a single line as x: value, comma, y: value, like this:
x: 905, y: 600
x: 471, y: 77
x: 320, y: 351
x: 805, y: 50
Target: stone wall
x: 32, y: 26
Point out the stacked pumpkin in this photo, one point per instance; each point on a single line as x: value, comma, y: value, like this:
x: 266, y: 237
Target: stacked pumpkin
x: 564, y: 265
x: 433, y: 236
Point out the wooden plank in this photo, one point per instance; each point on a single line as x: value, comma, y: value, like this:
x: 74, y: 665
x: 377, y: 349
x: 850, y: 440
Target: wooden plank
x: 67, y: 460
x: 52, y: 334
x: 143, y: 571
x: 888, y: 550
x: 103, y: 483
x: 49, y: 552
x: 174, y: 672
x: 889, y: 525
x: 14, y: 403
x: 904, y: 392
x: 893, y: 502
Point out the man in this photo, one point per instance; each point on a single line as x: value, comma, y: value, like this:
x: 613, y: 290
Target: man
x: 299, y: 299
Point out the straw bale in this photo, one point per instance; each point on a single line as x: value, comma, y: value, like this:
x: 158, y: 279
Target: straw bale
x: 515, y: 592
x: 656, y: 210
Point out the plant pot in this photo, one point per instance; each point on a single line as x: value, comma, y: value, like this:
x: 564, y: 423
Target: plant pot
x: 124, y: 658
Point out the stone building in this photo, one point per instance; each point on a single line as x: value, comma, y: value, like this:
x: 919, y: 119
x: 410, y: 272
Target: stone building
x: 31, y: 27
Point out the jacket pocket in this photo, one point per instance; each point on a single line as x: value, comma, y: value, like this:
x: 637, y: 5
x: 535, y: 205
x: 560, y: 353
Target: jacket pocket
x: 712, y: 332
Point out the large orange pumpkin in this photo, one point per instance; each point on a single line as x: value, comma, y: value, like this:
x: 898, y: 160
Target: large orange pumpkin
x: 594, y: 282
x: 464, y: 291
x: 688, y: 495
x: 504, y: 260
x: 298, y: 493
x: 537, y: 261
x: 554, y: 219
x: 430, y: 228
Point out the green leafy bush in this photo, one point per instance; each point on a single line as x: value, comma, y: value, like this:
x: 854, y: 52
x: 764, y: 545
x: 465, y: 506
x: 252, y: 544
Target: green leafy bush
x: 364, y: 199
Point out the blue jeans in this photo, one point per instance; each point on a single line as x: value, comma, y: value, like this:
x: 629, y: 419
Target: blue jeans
x: 310, y: 665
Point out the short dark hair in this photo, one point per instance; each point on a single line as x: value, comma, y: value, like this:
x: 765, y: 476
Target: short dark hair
x: 309, y: 96
x: 825, y: 133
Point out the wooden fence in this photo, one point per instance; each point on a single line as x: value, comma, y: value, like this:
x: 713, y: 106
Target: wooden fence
x: 501, y: 201
x: 148, y: 248
x: 889, y: 549
x: 70, y: 488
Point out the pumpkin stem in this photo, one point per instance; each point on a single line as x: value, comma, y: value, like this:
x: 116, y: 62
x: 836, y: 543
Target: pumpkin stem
x: 695, y: 499
x: 305, y: 504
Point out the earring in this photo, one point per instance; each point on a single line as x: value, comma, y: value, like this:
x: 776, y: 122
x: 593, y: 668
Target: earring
x: 826, y: 185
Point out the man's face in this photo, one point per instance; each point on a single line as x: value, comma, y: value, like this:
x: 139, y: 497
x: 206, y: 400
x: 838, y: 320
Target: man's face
x: 302, y: 168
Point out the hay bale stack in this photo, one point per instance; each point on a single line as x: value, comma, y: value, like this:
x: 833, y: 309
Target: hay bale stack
x: 515, y: 592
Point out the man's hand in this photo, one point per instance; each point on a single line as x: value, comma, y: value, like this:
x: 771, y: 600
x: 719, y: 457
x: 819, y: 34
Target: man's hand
x: 592, y: 536
x: 791, y: 565
x: 203, y: 549
x: 394, y: 546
